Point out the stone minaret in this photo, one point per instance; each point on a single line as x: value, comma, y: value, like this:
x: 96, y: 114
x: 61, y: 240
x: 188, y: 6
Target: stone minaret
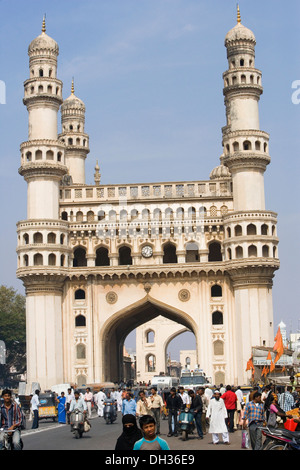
x: 42, y: 238
x: 246, y: 147
x: 251, y: 241
x: 74, y: 137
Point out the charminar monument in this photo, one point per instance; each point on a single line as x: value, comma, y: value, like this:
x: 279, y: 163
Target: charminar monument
x: 98, y: 261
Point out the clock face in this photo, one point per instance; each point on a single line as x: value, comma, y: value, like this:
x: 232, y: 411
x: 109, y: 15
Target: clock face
x: 147, y: 251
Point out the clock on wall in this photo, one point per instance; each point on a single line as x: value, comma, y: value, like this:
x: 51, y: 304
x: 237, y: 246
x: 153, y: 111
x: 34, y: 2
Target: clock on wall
x: 147, y: 251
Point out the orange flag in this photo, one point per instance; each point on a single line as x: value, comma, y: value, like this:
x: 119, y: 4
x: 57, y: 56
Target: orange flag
x: 250, y: 365
x: 272, y: 366
x: 278, y: 346
x: 269, y: 357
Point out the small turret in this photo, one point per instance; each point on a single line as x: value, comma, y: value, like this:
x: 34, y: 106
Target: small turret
x: 74, y: 137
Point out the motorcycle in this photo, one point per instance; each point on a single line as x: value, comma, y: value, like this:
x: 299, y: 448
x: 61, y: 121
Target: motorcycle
x: 280, y: 439
x: 77, y: 423
x: 8, y: 440
x: 186, y: 423
x: 109, y: 412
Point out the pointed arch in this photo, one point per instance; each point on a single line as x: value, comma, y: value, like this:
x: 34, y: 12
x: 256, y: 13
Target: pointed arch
x: 122, y: 322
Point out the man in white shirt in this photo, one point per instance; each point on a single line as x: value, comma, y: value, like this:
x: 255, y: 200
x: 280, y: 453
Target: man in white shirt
x: 35, y: 404
x: 70, y: 396
x: 156, y: 406
x: 100, y: 402
x: 208, y: 392
x: 119, y: 399
x: 184, y: 397
x: 78, y: 403
x: 88, y: 398
x: 239, y: 395
x: 217, y: 413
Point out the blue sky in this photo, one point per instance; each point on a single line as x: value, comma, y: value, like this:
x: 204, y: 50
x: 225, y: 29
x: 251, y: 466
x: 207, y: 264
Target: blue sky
x: 150, y: 74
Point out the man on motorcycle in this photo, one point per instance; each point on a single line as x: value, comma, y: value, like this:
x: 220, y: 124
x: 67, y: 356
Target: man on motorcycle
x: 78, y: 404
x: 10, y: 420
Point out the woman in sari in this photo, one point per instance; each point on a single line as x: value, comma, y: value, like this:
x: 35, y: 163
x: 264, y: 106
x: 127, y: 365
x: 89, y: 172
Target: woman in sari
x: 61, y: 408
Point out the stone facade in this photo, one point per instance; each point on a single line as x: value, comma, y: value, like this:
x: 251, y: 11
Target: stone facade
x: 98, y: 260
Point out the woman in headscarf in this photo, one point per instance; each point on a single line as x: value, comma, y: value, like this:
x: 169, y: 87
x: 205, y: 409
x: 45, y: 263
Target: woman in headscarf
x: 131, y: 433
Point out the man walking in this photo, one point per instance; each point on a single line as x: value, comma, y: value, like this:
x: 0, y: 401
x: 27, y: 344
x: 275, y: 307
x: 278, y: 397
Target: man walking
x: 35, y: 404
x: 286, y: 400
x: 69, y: 398
x: 254, y: 413
x: 230, y: 400
x: 205, y: 402
x: 216, y: 414
x: 88, y: 398
x: 173, y: 405
x: 143, y: 406
x: 196, y: 409
x: 157, y: 405
x: 100, y: 397
x: 129, y: 405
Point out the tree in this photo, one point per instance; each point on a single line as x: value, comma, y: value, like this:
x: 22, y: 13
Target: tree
x: 13, y: 331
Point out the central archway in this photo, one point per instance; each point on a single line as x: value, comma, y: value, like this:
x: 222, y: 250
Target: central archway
x: 123, y: 322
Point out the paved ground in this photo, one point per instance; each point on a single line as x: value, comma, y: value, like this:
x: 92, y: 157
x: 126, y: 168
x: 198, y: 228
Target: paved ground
x: 53, y: 436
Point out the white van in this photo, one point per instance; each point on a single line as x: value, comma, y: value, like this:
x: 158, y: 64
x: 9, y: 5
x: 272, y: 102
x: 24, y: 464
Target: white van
x: 60, y: 388
x: 161, y: 382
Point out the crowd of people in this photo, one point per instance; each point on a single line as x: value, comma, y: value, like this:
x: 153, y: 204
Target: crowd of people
x: 216, y: 410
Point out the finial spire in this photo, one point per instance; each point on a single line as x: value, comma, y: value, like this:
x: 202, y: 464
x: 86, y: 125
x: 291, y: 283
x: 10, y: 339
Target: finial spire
x: 97, y: 174
x: 72, y: 88
x: 238, y: 14
x: 44, y: 24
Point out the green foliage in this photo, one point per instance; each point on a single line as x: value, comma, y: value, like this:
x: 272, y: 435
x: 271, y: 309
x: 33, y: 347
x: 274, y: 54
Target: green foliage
x: 13, y: 329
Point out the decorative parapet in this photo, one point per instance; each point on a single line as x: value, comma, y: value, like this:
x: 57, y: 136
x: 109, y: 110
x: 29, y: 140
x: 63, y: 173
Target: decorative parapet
x: 153, y: 191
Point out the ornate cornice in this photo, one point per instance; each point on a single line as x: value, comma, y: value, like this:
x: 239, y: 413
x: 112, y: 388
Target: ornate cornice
x: 236, y: 269
x: 43, y: 169
x: 246, y: 273
x: 243, y: 90
x: 247, y: 160
x: 42, y: 282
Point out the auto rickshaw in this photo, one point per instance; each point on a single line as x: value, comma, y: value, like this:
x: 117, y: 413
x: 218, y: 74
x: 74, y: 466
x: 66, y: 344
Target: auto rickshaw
x: 48, y: 408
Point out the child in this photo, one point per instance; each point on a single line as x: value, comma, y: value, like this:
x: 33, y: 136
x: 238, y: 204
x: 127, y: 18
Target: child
x: 150, y: 441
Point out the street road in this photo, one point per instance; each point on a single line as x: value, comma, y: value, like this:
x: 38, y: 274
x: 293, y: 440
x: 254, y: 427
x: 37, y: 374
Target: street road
x: 102, y: 436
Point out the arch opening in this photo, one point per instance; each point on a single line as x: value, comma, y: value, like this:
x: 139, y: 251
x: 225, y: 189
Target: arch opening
x: 124, y: 322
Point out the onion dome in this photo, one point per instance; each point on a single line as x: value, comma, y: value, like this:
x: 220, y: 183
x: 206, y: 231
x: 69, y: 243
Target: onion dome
x: 220, y: 172
x: 43, y: 43
x: 72, y: 102
x: 239, y: 33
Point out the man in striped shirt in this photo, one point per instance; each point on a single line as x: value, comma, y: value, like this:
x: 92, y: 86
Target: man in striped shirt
x: 10, y: 419
x: 254, y: 413
x: 286, y: 400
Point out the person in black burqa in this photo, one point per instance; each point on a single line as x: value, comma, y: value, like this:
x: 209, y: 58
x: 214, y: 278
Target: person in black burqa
x: 131, y: 433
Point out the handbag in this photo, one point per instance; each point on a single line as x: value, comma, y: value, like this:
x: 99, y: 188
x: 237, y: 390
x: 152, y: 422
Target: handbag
x: 272, y: 420
x: 245, y: 440
x: 86, y: 426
